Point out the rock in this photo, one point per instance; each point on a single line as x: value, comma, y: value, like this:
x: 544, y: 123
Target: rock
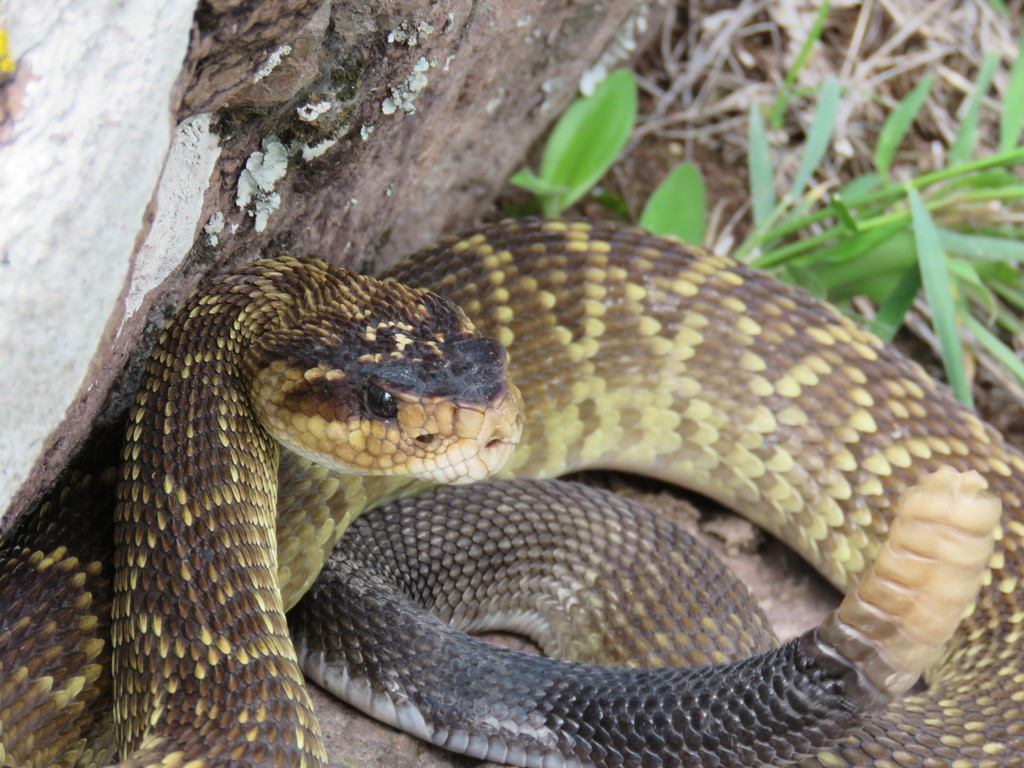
x: 352, y: 131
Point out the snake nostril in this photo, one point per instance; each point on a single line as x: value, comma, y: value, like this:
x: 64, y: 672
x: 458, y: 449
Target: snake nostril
x: 494, y: 442
x: 425, y: 439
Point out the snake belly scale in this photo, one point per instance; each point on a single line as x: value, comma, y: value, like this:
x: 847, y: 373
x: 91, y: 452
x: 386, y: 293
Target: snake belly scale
x: 632, y: 353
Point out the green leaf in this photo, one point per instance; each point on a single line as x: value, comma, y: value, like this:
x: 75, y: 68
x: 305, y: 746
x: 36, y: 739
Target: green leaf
x: 588, y: 138
x: 868, y: 263
x: 531, y: 182
x: 1013, y: 104
x: 819, y: 137
x: 894, y: 308
x: 898, y: 123
x: 938, y: 289
x: 967, y: 135
x: 678, y: 206
x: 759, y: 168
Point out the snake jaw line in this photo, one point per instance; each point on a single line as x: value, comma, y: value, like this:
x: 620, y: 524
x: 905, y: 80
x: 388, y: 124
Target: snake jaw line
x: 431, y: 439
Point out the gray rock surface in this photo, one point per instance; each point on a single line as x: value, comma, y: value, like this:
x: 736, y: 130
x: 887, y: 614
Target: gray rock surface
x: 81, y: 151
x: 352, y: 131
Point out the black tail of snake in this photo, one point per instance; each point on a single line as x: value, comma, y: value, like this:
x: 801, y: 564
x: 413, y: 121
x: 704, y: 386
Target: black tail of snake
x: 631, y: 353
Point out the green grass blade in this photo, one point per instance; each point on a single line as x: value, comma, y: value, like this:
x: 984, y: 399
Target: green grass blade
x: 819, y: 138
x: 879, y: 244
x: 678, y: 206
x: 845, y: 216
x: 869, y: 263
x: 972, y: 284
x: 589, y: 136
x: 992, y: 272
x: 995, y: 347
x: 857, y: 188
x: 967, y: 135
x: 888, y: 195
x: 1007, y: 285
x: 938, y: 289
x: 1011, y: 294
x: 781, y: 254
x: 813, y: 35
x: 982, y: 247
x: 760, y: 171
x: 895, y: 307
x: 1013, y: 104
x: 898, y: 123
x: 1001, y: 232
x: 996, y: 179
x: 1008, y: 321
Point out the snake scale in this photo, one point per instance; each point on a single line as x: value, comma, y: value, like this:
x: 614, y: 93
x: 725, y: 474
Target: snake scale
x: 631, y: 353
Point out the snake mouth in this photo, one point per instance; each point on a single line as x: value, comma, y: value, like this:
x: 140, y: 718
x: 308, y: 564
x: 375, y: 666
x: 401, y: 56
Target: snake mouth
x: 487, y: 437
x: 502, y: 430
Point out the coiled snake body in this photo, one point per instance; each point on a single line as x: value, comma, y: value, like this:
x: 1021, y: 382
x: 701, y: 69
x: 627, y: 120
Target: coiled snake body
x: 631, y: 353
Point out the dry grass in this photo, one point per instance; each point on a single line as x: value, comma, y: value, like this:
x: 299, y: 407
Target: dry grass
x: 714, y: 58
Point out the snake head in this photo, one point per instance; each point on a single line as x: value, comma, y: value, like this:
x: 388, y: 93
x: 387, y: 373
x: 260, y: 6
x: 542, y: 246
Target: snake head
x: 382, y: 379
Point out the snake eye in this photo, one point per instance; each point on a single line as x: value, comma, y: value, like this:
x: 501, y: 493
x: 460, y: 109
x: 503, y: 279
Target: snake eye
x: 380, y: 402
